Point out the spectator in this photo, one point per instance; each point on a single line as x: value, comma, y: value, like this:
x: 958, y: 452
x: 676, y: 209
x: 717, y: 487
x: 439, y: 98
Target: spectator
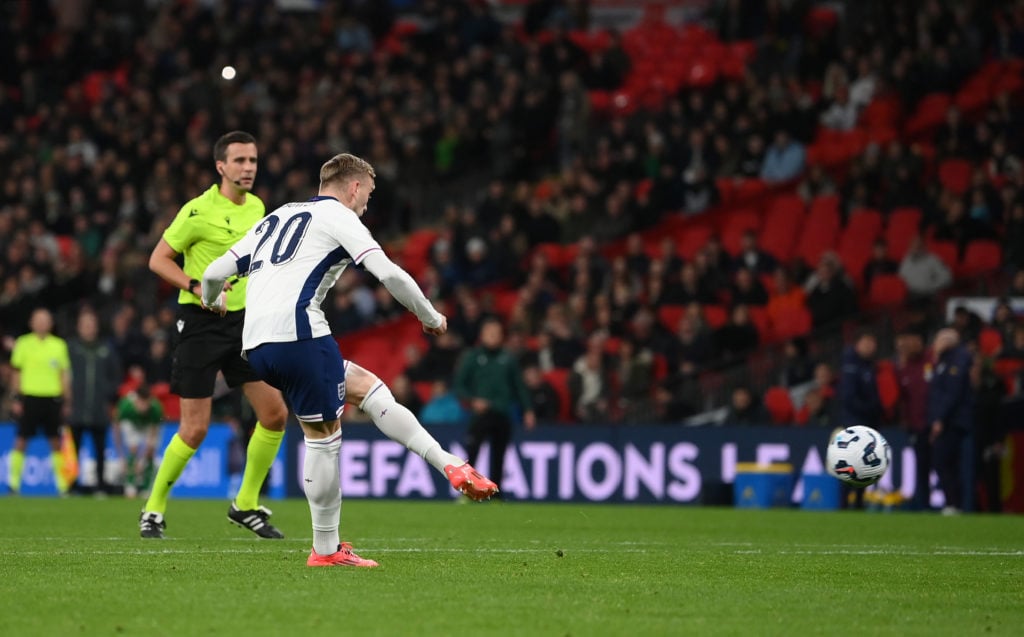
x: 95, y: 376
x: 797, y: 367
x: 745, y: 409
x: 589, y: 385
x: 752, y: 257
x: 490, y: 381
x: 841, y: 115
x: 816, y: 183
x: 139, y: 416
x: 967, y: 324
x: 635, y: 378
x: 784, y: 160
x: 816, y: 411
x: 747, y: 289
x: 751, y: 159
x: 879, y: 263
x: 738, y: 337
x: 924, y: 273
x: 1013, y: 236
x: 990, y: 433
x: 950, y: 414
x: 911, y: 408
x: 859, y: 402
x: 443, y: 408
x: 785, y: 299
x: 405, y: 394
x: 545, y: 400
x: 829, y: 296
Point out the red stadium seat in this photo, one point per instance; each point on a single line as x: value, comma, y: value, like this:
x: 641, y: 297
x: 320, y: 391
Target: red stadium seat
x: 715, y: 316
x: 734, y: 225
x: 559, y: 379
x: 886, y: 290
x: 856, y: 240
x: 820, y: 231
x: 990, y: 341
x: 779, y: 405
x: 423, y: 389
x: 888, y: 385
x: 955, y: 175
x: 759, y: 317
x: 983, y: 256
x: 791, y: 322
x: 904, y: 225
x: 778, y: 238
x: 693, y: 239
x: 931, y: 111
x: 946, y: 251
x: 1009, y: 370
x: 669, y: 316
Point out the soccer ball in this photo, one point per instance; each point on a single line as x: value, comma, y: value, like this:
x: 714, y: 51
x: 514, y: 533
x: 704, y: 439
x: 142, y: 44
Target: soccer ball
x: 859, y: 456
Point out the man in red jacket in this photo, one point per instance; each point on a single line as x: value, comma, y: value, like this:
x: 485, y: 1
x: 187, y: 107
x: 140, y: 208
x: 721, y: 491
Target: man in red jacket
x: 912, y: 408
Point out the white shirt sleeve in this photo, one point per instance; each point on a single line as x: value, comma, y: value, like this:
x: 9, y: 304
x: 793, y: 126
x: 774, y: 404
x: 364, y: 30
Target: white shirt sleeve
x: 352, y: 235
x: 402, y: 287
x: 235, y: 261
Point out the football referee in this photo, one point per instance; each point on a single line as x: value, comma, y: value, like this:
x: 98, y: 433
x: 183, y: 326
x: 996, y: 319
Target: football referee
x: 205, y: 228
x: 42, y: 376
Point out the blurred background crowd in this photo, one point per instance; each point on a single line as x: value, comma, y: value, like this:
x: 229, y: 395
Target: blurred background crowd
x: 682, y: 217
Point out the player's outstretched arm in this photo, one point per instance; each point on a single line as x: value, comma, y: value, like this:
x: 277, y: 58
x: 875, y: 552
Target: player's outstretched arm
x: 214, y: 278
x: 404, y: 289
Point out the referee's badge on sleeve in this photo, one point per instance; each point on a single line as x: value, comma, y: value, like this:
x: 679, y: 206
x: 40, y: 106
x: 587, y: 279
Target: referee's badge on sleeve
x: 181, y: 325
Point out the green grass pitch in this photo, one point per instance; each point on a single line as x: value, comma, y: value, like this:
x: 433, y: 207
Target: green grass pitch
x: 78, y: 567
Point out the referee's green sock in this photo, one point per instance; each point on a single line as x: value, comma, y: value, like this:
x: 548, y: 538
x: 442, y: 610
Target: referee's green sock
x: 176, y: 456
x: 15, y: 463
x: 57, y: 461
x: 259, y: 456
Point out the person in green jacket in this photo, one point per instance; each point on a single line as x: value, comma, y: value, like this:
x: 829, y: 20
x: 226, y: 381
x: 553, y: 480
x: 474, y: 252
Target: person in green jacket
x: 490, y: 381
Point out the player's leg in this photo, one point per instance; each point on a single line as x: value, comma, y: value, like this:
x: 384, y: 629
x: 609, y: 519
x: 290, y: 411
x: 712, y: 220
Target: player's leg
x: 192, y: 428
x: 48, y: 412
x: 272, y: 415
x: 193, y: 375
x: 16, y: 459
x: 373, y: 396
x: 271, y: 418
x: 77, y: 434
x: 311, y: 375
x: 501, y: 434
x: 99, y: 443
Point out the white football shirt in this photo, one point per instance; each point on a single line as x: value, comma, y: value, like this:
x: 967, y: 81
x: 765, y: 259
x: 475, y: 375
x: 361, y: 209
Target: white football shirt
x: 293, y: 257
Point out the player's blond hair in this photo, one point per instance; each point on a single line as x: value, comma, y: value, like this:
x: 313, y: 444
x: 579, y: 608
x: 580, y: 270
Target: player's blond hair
x: 343, y: 167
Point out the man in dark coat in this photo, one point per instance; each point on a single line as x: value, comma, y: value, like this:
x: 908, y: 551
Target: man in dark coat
x: 951, y: 415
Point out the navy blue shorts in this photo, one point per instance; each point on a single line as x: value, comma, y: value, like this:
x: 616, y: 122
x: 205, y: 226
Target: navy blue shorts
x: 310, y: 374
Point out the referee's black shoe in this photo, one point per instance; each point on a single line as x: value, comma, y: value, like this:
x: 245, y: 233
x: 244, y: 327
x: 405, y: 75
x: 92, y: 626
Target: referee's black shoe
x: 152, y: 525
x: 256, y: 520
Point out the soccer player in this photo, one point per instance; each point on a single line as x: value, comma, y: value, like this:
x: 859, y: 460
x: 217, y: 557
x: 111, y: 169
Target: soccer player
x: 203, y: 230
x: 293, y: 257
x: 42, y: 376
x: 139, y: 416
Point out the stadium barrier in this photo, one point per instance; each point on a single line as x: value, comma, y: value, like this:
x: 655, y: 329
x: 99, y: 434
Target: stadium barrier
x: 669, y: 465
x: 214, y: 472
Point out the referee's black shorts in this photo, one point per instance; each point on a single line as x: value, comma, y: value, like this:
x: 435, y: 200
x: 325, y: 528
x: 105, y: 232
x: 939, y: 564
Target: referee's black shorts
x: 39, y: 413
x: 206, y: 343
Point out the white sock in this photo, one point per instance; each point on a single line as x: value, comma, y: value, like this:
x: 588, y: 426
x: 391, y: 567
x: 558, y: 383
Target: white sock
x: 399, y: 424
x: 322, y: 482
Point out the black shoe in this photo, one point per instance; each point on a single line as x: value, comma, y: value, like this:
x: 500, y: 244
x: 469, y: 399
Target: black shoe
x: 152, y: 525
x: 256, y: 520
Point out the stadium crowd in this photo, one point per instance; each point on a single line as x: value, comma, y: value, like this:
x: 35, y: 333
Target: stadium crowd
x: 602, y: 192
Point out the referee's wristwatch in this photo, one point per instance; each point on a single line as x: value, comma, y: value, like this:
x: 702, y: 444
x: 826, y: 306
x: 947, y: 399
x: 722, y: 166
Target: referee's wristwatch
x: 192, y: 283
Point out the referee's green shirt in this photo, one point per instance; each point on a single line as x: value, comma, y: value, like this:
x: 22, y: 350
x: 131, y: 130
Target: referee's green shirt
x: 206, y: 228
x: 40, y: 362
